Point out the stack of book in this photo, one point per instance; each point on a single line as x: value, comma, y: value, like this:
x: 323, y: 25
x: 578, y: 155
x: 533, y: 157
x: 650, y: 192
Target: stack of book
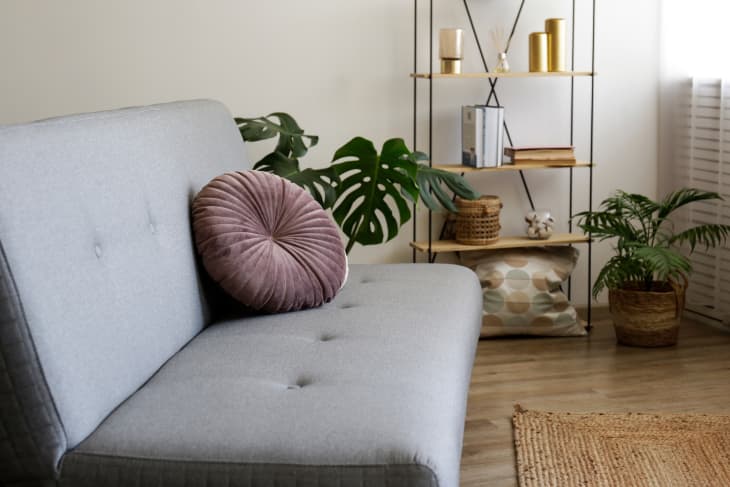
x: 541, y: 155
x: 482, y: 135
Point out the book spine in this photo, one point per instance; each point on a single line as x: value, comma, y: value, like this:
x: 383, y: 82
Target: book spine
x: 472, y: 143
x: 500, y: 138
x: 479, y: 136
x: 493, y: 135
x: 531, y: 157
x: 482, y: 136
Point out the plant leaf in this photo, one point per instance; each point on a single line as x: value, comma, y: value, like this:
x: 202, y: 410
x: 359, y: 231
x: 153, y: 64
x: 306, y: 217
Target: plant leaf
x: 279, y: 164
x: 369, y: 181
x: 320, y: 183
x: 292, y: 138
x: 432, y: 180
x: 663, y: 262
x: 256, y: 129
x: 639, y: 205
x: 682, y: 197
x: 283, y: 160
x: 709, y: 235
x: 619, y: 270
x: 607, y: 224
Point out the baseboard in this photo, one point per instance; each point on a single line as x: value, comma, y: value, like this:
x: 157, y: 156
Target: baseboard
x: 705, y: 320
x: 601, y: 313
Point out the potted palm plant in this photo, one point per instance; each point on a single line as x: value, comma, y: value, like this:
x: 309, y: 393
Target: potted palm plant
x: 647, y: 277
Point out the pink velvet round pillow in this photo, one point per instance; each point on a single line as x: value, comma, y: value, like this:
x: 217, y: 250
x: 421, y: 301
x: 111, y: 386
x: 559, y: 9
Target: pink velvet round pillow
x: 267, y: 242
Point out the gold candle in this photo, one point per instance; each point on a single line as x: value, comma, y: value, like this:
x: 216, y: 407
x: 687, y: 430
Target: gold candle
x: 555, y: 29
x: 451, y: 50
x: 538, y: 52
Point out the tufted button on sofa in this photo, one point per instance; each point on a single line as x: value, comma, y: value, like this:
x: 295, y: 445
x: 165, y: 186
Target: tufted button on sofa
x: 120, y: 368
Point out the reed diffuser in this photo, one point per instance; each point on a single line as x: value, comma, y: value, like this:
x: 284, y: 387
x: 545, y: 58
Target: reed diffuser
x: 501, y: 44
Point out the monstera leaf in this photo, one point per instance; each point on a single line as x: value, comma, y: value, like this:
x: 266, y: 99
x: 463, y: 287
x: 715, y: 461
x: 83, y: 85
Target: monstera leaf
x: 368, y: 181
x: 371, y: 184
x: 431, y: 182
x: 320, y: 183
x: 283, y: 161
x: 292, y: 139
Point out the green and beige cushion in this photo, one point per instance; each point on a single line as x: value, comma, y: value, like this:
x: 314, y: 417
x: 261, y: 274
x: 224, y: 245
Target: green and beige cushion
x: 522, y: 291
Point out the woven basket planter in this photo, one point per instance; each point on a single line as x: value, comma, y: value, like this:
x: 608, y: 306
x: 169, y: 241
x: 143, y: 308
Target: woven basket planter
x: 477, y: 222
x: 647, y: 318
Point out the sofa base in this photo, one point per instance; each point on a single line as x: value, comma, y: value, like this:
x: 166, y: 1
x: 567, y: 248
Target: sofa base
x: 86, y: 471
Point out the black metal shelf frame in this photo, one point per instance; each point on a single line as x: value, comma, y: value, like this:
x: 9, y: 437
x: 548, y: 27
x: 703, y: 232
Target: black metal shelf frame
x: 493, y: 96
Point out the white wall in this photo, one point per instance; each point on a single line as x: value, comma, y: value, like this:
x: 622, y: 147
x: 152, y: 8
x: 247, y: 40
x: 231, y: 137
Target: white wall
x: 341, y: 68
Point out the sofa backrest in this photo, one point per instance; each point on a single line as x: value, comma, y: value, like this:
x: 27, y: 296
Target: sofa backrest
x: 98, y: 276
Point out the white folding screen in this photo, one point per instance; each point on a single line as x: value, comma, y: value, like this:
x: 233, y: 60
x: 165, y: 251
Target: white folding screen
x: 702, y: 160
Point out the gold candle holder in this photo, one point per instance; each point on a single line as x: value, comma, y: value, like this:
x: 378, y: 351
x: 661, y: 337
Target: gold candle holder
x: 538, y: 52
x: 451, y: 66
x: 451, y: 50
x: 555, y: 29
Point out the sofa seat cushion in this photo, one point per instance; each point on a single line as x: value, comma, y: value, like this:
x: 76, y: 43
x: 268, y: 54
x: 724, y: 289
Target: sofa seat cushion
x: 369, y: 389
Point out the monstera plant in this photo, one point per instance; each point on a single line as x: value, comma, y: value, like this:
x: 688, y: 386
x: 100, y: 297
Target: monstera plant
x: 370, y: 193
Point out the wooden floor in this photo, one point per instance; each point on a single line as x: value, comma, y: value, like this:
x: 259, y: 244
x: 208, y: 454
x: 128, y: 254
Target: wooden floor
x: 585, y: 375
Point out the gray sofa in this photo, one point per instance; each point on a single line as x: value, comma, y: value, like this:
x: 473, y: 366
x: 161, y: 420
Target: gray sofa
x: 121, y: 365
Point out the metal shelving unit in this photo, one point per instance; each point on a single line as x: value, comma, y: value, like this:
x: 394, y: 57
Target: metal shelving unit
x: 432, y: 247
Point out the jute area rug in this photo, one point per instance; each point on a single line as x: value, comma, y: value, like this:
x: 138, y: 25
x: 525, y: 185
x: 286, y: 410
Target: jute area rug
x: 624, y: 450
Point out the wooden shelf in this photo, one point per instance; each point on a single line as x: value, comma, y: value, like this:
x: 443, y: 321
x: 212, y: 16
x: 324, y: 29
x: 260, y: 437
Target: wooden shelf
x: 458, y: 168
x: 439, y: 246
x: 511, y: 74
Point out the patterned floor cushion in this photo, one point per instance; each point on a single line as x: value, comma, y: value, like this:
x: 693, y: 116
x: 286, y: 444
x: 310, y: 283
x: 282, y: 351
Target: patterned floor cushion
x: 522, y: 291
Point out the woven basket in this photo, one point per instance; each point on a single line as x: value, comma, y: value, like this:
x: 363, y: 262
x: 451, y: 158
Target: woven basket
x: 647, y: 319
x: 477, y: 222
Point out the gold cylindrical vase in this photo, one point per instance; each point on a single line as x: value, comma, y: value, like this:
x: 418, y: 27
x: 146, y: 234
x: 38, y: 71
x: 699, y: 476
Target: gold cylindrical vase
x: 555, y: 29
x: 538, y: 52
x: 451, y: 50
x: 451, y: 44
x: 451, y: 66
